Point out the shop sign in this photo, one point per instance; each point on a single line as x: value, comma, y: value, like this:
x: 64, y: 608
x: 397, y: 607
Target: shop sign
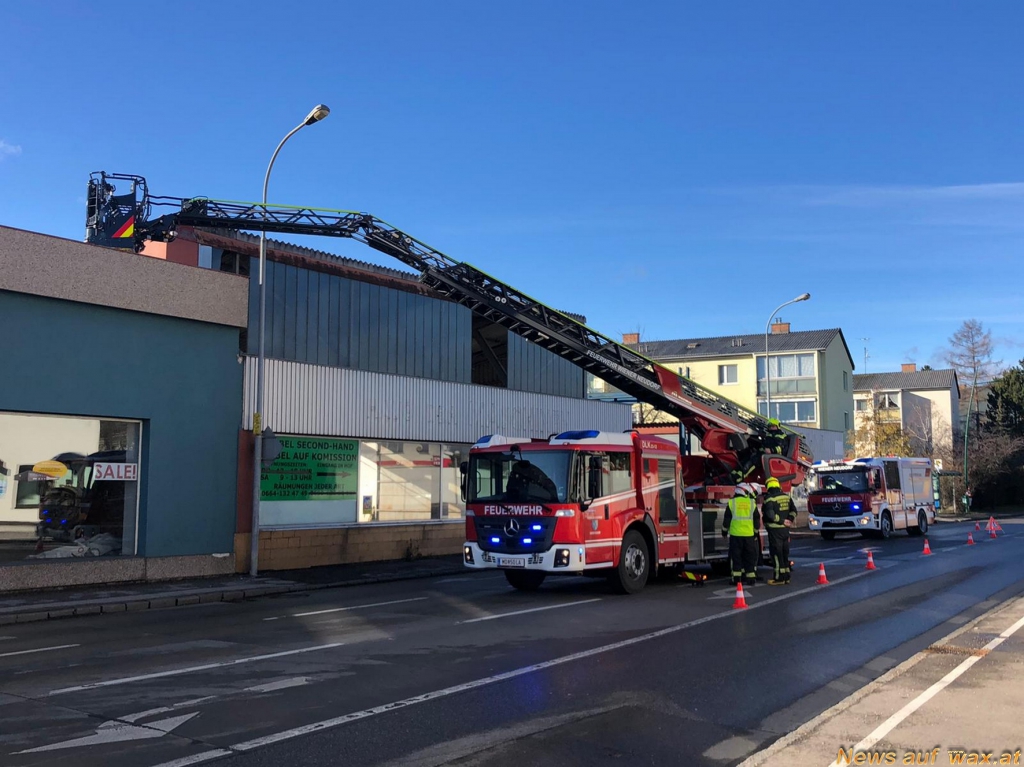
x: 118, y: 472
x: 312, y: 469
x: 53, y: 469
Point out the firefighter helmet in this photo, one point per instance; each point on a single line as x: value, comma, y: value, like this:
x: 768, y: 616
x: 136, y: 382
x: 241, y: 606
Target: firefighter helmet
x: 772, y: 482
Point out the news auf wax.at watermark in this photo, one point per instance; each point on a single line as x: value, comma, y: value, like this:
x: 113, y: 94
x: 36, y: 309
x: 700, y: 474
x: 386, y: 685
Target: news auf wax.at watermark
x: 937, y: 755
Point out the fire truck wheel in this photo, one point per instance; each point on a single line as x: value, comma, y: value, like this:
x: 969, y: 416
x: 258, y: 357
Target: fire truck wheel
x: 634, y: 564
x: 828, y: 535
x: 525, y: 580
x: 886, y: 531
x: 922, y: 525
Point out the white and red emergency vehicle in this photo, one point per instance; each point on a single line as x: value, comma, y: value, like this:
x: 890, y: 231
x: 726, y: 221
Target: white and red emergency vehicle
x: 872, y: 496
x: 586, y: 503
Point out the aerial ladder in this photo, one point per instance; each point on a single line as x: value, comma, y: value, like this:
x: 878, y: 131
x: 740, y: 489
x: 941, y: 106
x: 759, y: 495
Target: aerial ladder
x: 739, y: 442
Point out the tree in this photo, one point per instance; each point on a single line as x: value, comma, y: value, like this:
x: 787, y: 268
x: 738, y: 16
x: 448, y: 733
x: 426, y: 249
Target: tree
x: 876, y: 433
x: 970, y: 353
x: 1006, y: 402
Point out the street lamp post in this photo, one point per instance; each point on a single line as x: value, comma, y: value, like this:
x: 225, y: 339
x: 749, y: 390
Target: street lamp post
x: 318, y: 113
x: 767, y: 367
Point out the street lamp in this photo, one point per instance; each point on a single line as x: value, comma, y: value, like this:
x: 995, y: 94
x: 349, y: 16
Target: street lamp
x: 318, y: 113
x: 767, y: 367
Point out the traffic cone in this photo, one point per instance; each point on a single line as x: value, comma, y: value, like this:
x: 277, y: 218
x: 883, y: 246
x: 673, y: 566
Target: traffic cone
x: 991, y: 524
x: 927, y: 549
x: 970, y: 539
x: 992, y: 533
x: 741, y: 600
x: 822, y: 579
x: 977, y: 527
x: 999, y: 528
x: 871, y: 562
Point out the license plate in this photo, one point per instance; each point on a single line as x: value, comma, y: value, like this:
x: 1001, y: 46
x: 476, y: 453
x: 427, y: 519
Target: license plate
x: 511, y: 562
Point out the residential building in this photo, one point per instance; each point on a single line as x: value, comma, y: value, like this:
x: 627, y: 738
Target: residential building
x: 925, y: 404
x: 811, y: 375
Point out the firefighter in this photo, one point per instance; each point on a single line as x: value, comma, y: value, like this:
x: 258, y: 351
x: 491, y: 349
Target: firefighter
x: 740, y: 525
x: 775, y: 439
x: 779, y: 513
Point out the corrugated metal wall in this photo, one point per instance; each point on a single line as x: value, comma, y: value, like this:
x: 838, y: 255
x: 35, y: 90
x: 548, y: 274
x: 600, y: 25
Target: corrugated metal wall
x: 333, y: 321
x: 533, y: 368
x: 324, y: 401
x: 325, y: 319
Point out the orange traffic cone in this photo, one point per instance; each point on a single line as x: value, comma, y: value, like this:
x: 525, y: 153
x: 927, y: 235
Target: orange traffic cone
x: 741, y: 600
x: 977, y: 527
x: 871, y: 562
x: 992, y: 533
x: 822, y: 579
x: 991, y: 524
x: 970, y: 539
x: 999, y: 528
x: 927, y: 549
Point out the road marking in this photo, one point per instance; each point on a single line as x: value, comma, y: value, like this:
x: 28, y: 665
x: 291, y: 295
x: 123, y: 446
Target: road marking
x: 131, y: 718
x: 281, y: 684
x: 38, y: 649
x: 893, y: 721
x: 3, y: 638
x: 115, y: 731
x: 530, y: 610
x: 328, y: 724
x: 191, y: 669
x: 345, y: 609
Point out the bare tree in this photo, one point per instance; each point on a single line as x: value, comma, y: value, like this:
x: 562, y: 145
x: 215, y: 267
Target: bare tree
x: 970, y: 353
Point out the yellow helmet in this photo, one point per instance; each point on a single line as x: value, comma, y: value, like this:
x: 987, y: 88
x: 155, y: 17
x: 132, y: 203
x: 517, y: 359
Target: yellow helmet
x: 772, y: 482
x: 774, y: 422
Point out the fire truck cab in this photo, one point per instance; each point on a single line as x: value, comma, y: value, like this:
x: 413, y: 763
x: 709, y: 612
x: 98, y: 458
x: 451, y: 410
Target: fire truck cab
x: 582, y: 503
x: 872, y: 496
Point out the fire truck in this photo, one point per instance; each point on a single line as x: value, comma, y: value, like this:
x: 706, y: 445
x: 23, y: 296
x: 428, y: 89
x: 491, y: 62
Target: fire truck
x: 734, y: 440
x: 872, y: 496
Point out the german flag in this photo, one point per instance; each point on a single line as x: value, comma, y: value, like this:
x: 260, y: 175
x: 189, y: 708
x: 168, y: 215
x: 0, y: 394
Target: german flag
x: 127, y: 229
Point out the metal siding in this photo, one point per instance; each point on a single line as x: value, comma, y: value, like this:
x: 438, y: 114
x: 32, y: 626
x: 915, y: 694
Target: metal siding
x: 400, y: 320
x: 252, y: 339
x: 390, y: 323
x: 301, y: 323
x: 533, y: 368
x: 333, y: 319
x: 312, y: 318
x: 317, y: 400
x: 324, y: 322
x: 276, y: 287
x: 291, y: 299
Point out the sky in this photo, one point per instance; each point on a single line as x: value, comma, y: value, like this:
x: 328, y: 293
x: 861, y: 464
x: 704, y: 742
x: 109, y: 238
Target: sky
x: 677, y: 169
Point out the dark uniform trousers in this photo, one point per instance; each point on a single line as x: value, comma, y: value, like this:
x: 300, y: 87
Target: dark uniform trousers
x: 779, y: 507
x: 743, y: 558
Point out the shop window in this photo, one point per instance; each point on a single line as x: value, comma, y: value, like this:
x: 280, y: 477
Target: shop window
x: 76, y: 489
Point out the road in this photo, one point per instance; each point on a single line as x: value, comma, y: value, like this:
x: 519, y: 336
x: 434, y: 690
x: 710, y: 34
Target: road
x: 463, y: 670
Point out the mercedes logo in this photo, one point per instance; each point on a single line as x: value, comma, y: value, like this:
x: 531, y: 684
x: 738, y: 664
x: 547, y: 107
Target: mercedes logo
x: 837, y: 507
x: 512, y: 528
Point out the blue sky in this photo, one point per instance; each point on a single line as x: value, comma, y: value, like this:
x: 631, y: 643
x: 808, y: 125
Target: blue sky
x: 678, y: 168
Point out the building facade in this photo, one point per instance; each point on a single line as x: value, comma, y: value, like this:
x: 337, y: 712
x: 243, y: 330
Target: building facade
x: 119, y: 390
x: 376, y: 388
x: 925, y: 404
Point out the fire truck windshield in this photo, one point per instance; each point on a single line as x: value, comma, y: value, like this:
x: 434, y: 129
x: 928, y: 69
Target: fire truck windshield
x: 541, y: 476
x: 843, y: 482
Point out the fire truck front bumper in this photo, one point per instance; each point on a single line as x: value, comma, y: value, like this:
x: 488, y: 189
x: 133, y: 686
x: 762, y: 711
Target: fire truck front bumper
x: 866, y: 521
x: 560, y: 558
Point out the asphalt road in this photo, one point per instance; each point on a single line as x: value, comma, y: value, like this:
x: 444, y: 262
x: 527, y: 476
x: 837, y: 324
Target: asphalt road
x: 463, y: 670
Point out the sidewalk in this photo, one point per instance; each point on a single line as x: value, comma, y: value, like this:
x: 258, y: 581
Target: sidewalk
x: 958, y: 700
x: 27, y: 607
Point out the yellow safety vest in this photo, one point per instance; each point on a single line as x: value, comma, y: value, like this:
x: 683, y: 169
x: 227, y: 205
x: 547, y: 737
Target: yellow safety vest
x: 742, y: 523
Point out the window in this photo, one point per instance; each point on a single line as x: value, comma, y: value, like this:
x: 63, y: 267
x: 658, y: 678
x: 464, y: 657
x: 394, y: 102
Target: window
x: 684, y: 371
x: 790, y: 373
x: 846, y: 381
x: 846, y: 421
x: 618, y: 474
x: 75, y: 491
x: 668, y: 507
x: 727, y: 374
x: 791, y: 411
x: 892, y: 475
x: 887, y: 401
x: 860, y: 405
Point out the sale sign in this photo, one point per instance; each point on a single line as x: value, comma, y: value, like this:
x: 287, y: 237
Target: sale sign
x: 122, y: 472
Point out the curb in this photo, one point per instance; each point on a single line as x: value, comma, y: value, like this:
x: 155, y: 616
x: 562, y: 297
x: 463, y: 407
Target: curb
x: 58, y: 610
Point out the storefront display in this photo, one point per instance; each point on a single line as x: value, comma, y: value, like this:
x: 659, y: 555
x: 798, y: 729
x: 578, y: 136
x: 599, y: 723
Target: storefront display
x: 70, y: 486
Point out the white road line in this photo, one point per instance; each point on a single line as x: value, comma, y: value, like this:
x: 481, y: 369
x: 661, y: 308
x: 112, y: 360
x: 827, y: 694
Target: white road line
x: 345, y: 609
x: 3, y: 638
x: 530, y: 610
x: 893, y: 721
x: 191, y: 669
x: 281, y: 684
x: 38, y: 649
x: 328, y: 724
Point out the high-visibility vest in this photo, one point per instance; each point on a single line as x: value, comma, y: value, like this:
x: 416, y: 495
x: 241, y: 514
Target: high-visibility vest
x: 742, y: 523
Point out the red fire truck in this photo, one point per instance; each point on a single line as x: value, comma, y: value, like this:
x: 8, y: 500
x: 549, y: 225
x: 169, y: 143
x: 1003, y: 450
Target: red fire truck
x: 587, y: 502
x: 872, y: 496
